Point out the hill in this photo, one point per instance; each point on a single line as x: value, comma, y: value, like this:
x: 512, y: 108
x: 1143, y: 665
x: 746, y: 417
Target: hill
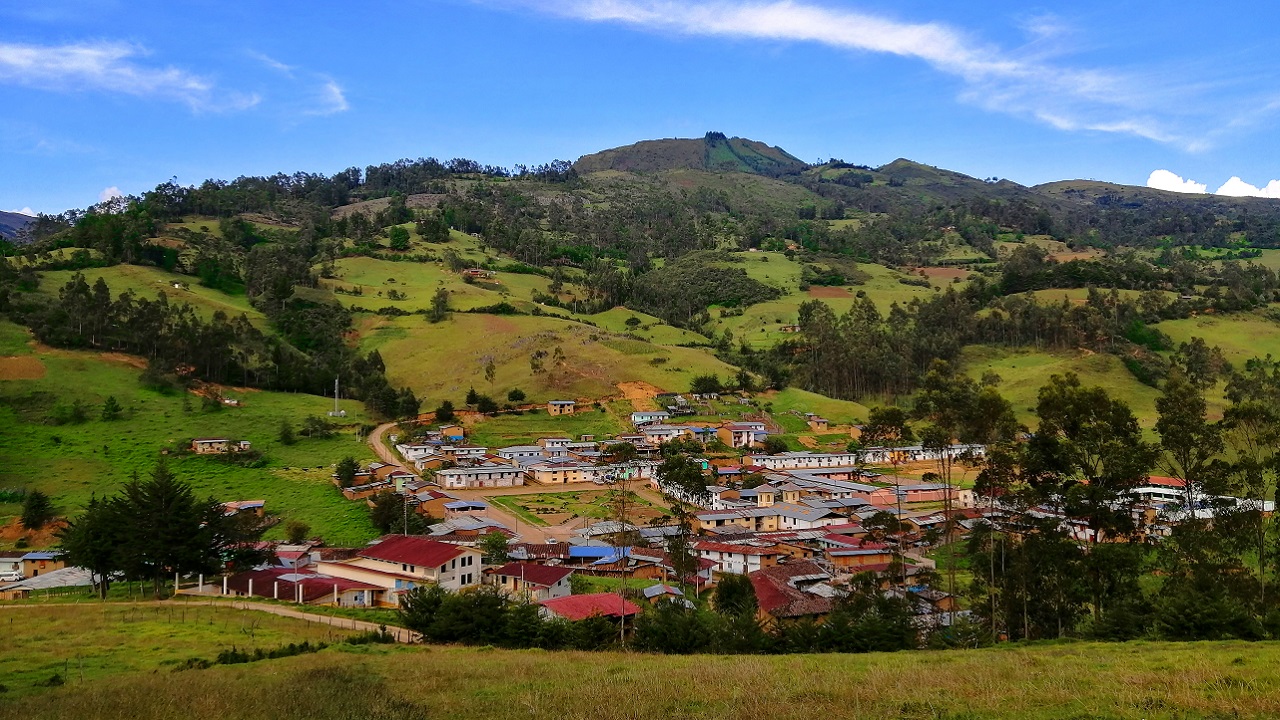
x: 714, y: 153
x: 11, y: 223
x: 1140, y: 680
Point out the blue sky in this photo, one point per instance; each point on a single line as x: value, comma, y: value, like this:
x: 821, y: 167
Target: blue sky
x: 98, y: 96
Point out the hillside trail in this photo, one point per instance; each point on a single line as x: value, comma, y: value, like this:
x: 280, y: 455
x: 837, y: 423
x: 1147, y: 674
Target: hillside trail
x: 401, y: 635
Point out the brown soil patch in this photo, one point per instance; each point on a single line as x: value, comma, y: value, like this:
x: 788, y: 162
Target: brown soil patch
x: 498, y: 325
x: 808, y: 441
x: 823, y: 291
x: 21, y: 367
x: 640, y: 394
x: 1090, y: 254
x: 130, y: 360
x: 945, y: 273
x: 44, y: 537
x: 556, y: 518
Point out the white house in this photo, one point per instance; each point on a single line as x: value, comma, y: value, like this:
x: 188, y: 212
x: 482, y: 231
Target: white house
x: 481, y: 476
x: 402, y: 562
x: 646, y: 417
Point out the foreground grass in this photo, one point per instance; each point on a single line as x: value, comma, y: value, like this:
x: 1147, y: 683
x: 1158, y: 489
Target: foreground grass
x: 1129, y: 681
x: 86, y: 643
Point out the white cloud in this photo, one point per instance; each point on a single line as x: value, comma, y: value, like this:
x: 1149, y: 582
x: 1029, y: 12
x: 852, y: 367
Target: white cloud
x: 112, y: 67
x: 1028, y: 82
x: 330, y: 100
x: 109, y: 194
x: 272, y: 62
x: 24, y: 211
x: 1235, y: 187
x: 1165, y: 180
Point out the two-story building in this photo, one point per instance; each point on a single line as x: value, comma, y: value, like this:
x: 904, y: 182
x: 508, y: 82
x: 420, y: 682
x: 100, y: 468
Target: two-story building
x: 530, y: 581
x: 561, y: 407
x: 481, y: 476
x: 398, y: 563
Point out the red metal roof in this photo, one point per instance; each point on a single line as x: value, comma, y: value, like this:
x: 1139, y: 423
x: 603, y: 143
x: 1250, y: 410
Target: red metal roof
x: 533, y: 574
x: 412, y: 550
x: 581, y: 607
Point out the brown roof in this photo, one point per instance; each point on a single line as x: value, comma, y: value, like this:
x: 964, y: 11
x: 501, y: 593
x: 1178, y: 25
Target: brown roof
x: 777, y: 597
x: 412, y: 550
x: 533, y: 574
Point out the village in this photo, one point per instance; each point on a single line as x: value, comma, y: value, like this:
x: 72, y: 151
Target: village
x: 593, y: 527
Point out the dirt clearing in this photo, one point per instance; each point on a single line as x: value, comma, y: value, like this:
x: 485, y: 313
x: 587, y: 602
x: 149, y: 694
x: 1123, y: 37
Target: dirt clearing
x: 22, y: 367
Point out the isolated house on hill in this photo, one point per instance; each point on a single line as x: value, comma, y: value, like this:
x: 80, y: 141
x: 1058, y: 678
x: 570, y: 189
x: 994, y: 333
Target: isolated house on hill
x: 209, y: 446
x: 561, y: 407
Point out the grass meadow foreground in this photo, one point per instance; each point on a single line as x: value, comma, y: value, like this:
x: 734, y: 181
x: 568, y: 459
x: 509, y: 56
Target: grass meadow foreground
x: 129, y: 674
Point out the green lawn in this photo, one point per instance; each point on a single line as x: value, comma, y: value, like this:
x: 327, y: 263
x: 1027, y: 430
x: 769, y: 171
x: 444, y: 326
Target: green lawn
x: 74, y: 462
x: 1240, y: 335
x: 1064, y: 681
x: 99, y: 643
x: 578, y: 503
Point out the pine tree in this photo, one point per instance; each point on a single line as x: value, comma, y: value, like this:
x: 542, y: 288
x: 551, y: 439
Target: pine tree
x: 111, y: 409
x: 37, y: 510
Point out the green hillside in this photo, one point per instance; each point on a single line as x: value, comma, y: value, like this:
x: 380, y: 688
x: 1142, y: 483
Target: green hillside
x: 715, y: 153
x: 73, y: 461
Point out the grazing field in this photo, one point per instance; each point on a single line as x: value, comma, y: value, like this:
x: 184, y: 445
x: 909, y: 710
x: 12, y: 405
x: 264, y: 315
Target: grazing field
x: 1241, y: 336
x: 650, y: 328
x: 443, y: 360
x: 1131, y: 681
x: 96, y: 642
x: 419, y: 281
x: 147, y: 282
x: 74, y: 461
x: 1024, y: 372
x: 555, y: 508
x: 504, y: 430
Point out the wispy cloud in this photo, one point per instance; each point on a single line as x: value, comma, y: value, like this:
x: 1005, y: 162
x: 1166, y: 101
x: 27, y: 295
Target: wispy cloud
x: 1035, y: 81
x: 330, y: 100
x: 109, y: 194
x: 24, y: 211
x: 271, y: 62
x: 111, y: 67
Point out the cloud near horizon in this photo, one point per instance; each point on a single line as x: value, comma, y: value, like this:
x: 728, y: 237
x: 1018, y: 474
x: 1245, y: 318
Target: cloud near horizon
x: 109, y: 194
x: 24, y: 211
x: 1235, y: 187
x: 1026, y: 83
x: 112, y: 67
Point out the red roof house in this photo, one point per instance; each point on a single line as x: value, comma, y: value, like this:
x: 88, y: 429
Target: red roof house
x: 581, y: 607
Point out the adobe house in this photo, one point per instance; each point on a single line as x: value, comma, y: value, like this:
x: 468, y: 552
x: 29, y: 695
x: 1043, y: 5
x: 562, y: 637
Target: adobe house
x: 208, y: 446
x: 38, y: 562
x: 561, y: 407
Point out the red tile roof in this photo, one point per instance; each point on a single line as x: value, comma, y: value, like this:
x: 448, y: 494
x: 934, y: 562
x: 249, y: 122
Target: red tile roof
x: 581, y: 607
x: 708, y: 546
x: 1161, y: 481
x: 533, y: 574
x: 776, y: 596
x: 267, y: 583
x: 412, y: 550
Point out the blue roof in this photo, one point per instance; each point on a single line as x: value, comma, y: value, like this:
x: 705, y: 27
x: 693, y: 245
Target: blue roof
x: 41, y: 555
x: 597, y: 551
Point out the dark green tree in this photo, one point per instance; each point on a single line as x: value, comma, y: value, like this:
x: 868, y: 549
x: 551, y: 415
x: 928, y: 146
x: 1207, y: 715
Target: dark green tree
x: 444, y: 413
x: 439, y: 309
x: 37, y: 510
x: 346, y: 471
x: 286, y: 435
x: 111, y: 409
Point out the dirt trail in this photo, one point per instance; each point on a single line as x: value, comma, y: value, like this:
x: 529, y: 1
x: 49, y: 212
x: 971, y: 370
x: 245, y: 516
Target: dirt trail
x: 402, y: 635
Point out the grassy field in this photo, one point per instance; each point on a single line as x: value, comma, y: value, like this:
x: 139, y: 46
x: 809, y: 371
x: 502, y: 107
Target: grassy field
x: 1241, y: 336
x: 1132, y: 681
x: 554, y: 508
x: 441, y: 361
x: 419, y: 281
x: 527, y: 429
x: 650, y: 328
x: 147, y: 282
x: 73, y: 462
x: 1024, y: 372
x: 95, y: 644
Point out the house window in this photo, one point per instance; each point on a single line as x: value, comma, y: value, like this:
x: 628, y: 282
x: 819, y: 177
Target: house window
x: 443, y: 568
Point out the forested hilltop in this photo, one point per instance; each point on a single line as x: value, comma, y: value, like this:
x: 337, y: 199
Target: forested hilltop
x: 840, y: 278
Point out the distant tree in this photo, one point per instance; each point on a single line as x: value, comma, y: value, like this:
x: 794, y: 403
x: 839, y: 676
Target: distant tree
x: 346, y: 471
x: 473, y: 397
x: 619, y: 453
x: 439, y: 309
x: 286, y: 436
x: 37, y: 510
x: 389, y: 515
x: 515, y: 395
x: 90, y: 541
x: 317, y: 427
x: 444, y: 413
x: 494, y: 546
x: 734, y: 595
x: 399, y: 238
x: 111, y: 409
x: 705, y: 385
x: 296, y: 532
x: 774, y: 445
x: 490, y: 370
x: 683, y: 476
x: 632, y: 322
x: 486, y: 405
